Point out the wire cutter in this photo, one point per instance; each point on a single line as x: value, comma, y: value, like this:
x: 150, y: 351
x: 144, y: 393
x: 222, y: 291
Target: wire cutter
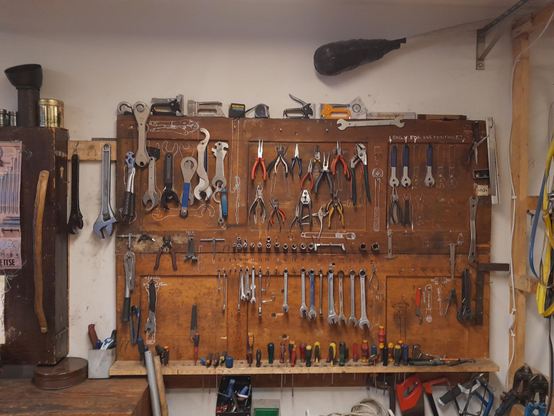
x: 305, y: 201
x: 259, y: 161
x: 281, y: 151
x: 320, y: 215
x: 333, y: 205
x: 395, y: 210
x: 296, y: 160
x: 339, y: 157
x: 258, y: 202
x: 303, y: 112
x: 317, y: 156
x: 324, y: 172
x: 361, y: 156
x: 309, y: 176
x: 281, y: 216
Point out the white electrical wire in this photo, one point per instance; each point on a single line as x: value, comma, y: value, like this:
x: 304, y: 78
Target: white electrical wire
x: 514, y: 196
x: 367, y: 407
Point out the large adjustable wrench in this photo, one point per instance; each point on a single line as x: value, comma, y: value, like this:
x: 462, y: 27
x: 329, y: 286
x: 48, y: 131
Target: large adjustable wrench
x: 106, y: 219
x: 342, y: 317
x: 312, y: 314
x: 472, y: 258
x: 344, y: 124
x: 203, y: 180
x: 150, y: 326
x: 141, y: 111
x: 285, y: 307
x: 188, y: 169
x: 363, y: 320
x: 332, y: 318
x: 151, y: 199
x: 303, y: 308
x: 352, y: 319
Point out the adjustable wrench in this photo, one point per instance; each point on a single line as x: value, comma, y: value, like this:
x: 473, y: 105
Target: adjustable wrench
x: 141, y: 112
x: 352, y: 319
x: 106, y: 219
x: 342, y: 318
x: 472, y: 258
x: 363, y: 320
x: 393, y: 181
x: 406, y: 181
x: 303, y: 308
x: 150, y: 326
x: 285, y: 307
x: 129, y: 266
x: 312, y: 314
x: 128, y: 208
x: 332, y: 318
x: 429, y: 180
x: 203, y: 180
x: 188, y: 169
x: 320, y: 292
x: 151, y: 199
x: 344, y: 124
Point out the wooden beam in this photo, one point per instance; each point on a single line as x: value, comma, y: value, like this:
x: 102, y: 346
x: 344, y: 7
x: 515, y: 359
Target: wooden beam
x: 90, y: 150
x: 532, y: 203
x: 527, y: 284
x: 530, y: 24
x: 519, y: 161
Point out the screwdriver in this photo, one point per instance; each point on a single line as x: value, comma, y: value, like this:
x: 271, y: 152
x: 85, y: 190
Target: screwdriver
x: 373, y: 349
x: 308, y: 355
x: 282, y: 348
x: 365, y: 351
x: 397, y: 354
x: 317, y: 346
x: 140, y: 343
x: 166, y: 357
x: 222, y: 358
x: 405, y: 354
x: 209, y: 359
x: 332, y: 353
x: 391, y: 351
x: 270, y: 352
x: 291, y: 346
x: 249, y: 348
x: 385, y: 355
x: 293, y: 356
x: 258, y: 358
x: 355, y: 352
x: 216, y: 360
x: 196, y: 340
x: 342, y: 353
x: 302, y: 352
x: 381, y: 337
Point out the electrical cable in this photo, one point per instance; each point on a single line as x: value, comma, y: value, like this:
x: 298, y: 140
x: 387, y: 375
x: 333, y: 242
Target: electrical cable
x: 366, y: 407
x: 551, y: 387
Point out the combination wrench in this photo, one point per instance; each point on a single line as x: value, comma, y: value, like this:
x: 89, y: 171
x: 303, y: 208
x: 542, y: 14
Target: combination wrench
x: 253, y: 286
x: 247, y: 292
x: 429, y: 180
x: 405, y: 181
x: 151, y: 199
x: 168, y: 194
x: 285, y: 307
x: 472, y: 257
x: 312, y: 314
x: 106, y: 219
x: 363, y: 320
x: 303, y: 308
x: 188, y: 169
x: 242, y: 294
x: 342, y: 317
x: 344, y: 124
x: 141, y: 112
x: 393, y: 181
x: 332, y: 318
x: 203, y: 180
x: 320, y: 292
x: 352, y: 319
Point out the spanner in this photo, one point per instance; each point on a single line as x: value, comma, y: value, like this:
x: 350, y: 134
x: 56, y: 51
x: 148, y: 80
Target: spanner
x: 203, y: 180
x: 429, y: 180
x: 188, y: 169
x: 363, y: 320
x: 285, y: 307
x: 342, y: 318
x: 220, y: 151
x: 472, y: 258
x: 106, y: 219
x: 320, y: 292
x: 151, y: 199
x: 303, y: 308
x: 352, y: 319
x: 247, y: 283
x: 241, y: 276
x: 150, y: 326
x: 141, y: 111
x: 344, y: 124
x: 312, y: 314
x: 393, y: 182
x: 332, y: 318
x: 129, y: 267
x: 406, y: 181
x: 253, y: 286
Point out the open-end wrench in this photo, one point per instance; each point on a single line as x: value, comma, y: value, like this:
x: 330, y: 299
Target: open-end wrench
x: 106, y: 219
x: 188, y: 169
x: 363, y: 320
x: 472, y: 257
x: 141, y: 112
x: 241, y: 276
x: 352, y: 319
x: 320, y: 292
x: 150, y: 326
x: 303, y: 308
x: 253, y: 286
x: 151, y: 199
x: 168, y: 193
x: 224, y: 289
x: 203, y: 180
x: 260, y: 301
x: 344, y: 124
x: 312, y: 314
x: 393, y: 181
x: 342, y: 317
x: 429, y: 180
x: 332, y: 318
x: 405, y: 181
x: 285, y: 307
x: 247, y: 291
x: 220, y: 151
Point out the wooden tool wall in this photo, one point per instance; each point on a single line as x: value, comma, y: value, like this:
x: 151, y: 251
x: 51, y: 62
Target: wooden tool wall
x: 439, y: 215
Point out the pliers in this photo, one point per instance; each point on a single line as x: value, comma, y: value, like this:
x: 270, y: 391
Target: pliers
x: 317, y: 156
x: 321, y: 214
x: 395, y: 210
x: 304, y: 112
x: 308, y: 175
x: 259, y: 201
x: 333, y: 205
x: 305, y: 201
x: 281, y: 216
x: 339, y: 157
x: 324, y: 172
x: 166, y: 248
x: 296, y: 160
x: 259, y: 161
x: 361, y: 156
x: 281, y: 151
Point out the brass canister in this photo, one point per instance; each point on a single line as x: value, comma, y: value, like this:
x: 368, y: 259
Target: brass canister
x: 51, y: 113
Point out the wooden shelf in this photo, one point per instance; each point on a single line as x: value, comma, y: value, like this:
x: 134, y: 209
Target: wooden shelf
x: 187, y: 368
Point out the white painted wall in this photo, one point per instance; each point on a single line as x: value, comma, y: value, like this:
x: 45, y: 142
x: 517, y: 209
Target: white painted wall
x: 96, y: 54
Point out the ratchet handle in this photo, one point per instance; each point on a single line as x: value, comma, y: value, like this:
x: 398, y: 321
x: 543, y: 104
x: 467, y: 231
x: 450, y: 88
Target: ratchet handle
x: 405, y: 155
x: 353, y: 185
x: 224, y: 202
x: 393, y: 157
x: 126, y: 310
x: 128, y: 210
x: 430, y: 155
x: 168, y: 170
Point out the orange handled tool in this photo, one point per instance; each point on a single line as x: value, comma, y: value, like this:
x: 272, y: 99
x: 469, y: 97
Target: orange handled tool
x: 259, y: 161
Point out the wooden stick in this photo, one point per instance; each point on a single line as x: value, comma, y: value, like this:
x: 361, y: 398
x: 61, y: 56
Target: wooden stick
x: 161, y: 387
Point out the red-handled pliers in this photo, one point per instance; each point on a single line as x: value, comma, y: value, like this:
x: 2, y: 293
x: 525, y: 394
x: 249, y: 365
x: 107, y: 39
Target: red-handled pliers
x: 339, y: 158
x: 308, y: 175
x: 259, y: 161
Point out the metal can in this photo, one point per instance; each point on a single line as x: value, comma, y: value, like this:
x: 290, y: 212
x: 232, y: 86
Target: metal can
x: 4, y: 119
x: 13, y: 118
x: 51, y: 113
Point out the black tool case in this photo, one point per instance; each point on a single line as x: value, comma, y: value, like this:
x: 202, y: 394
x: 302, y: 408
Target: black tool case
x: 240, y: 383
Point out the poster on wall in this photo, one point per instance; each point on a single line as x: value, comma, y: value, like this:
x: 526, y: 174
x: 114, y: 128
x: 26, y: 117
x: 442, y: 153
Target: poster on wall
x: 10, y: 222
